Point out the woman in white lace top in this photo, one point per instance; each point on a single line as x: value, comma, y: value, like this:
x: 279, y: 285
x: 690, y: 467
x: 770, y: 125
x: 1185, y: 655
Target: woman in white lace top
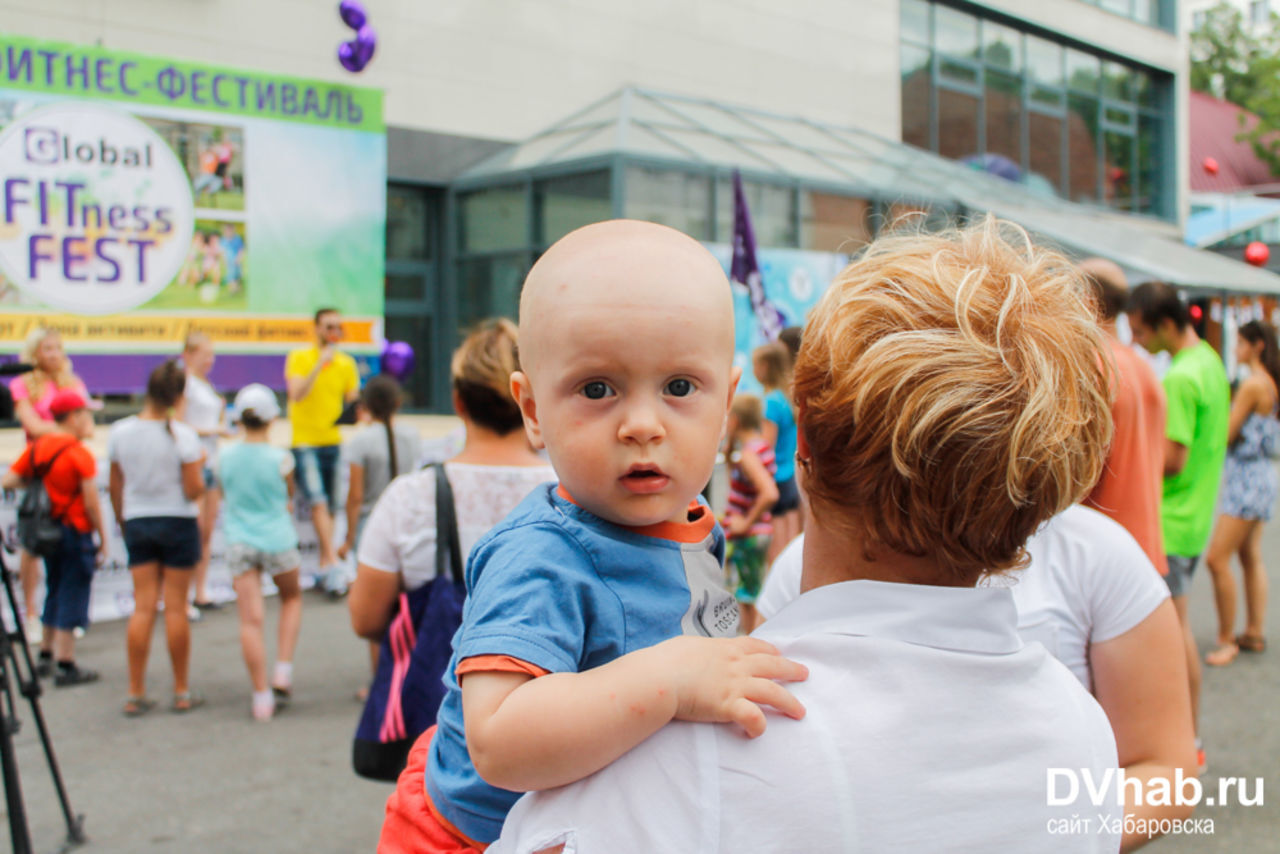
x: 495, y: 470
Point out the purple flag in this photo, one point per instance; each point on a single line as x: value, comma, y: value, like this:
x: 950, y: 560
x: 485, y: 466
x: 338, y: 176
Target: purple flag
x: 745, y: 270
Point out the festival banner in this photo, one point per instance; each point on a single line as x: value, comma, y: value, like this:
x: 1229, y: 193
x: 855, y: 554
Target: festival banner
x: 141, y: 198
x: 789, y: 282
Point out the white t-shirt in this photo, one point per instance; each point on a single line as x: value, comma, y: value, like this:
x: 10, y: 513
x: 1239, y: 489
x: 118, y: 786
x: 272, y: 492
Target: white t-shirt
x: 151, y: 458
x: 400, y: 535
x: 204, y: 412
x: 1089, y: 581
x: 929, y: 727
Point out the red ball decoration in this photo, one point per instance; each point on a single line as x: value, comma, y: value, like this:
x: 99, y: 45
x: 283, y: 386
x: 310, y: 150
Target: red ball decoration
x: 1257, y: 253
x: 1210, y: 165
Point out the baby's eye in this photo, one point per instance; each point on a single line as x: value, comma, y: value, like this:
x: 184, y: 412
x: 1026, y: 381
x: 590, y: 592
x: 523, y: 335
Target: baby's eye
x: 680, y: 388
x: 596, y: 390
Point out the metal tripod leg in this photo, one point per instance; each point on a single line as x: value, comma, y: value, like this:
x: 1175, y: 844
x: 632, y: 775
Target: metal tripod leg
x: 11, y: 672
x: 19, y: 832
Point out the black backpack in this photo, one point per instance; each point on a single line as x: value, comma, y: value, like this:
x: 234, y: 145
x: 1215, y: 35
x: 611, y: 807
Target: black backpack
x: 39, y: 531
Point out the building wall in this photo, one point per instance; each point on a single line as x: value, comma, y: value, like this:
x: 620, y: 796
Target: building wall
x: 504, y: 69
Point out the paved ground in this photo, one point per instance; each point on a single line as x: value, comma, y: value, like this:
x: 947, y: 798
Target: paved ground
x: 1240, y: 725
x: 215, y: 781
x: 212, y: 780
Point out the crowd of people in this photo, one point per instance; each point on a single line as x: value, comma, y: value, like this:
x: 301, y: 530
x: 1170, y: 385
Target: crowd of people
x: 958, y: 492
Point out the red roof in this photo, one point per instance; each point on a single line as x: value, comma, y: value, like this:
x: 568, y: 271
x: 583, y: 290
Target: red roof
x: 1215, y: 124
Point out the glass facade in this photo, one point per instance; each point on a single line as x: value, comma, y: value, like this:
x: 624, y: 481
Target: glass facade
x: 494, y: 218
x: 564, y: 203
x: 1060, y: 119
x: 413, y: 308
x: 490, y: 287
x: 499, y: 231
x: 681, y: 200
x: 773, y: 212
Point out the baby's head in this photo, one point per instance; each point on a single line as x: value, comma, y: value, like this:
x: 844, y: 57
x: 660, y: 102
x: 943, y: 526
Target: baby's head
x: 626, y: 350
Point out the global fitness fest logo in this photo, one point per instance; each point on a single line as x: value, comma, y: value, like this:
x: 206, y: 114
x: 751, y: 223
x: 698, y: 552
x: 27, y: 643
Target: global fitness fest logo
x: 95, y: 210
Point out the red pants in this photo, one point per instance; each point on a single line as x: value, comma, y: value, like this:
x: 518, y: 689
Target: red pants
x: 411, y: 826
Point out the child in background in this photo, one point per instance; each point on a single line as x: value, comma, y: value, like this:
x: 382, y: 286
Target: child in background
x: 752, y: 492
x: 257, y: 485
x: 208, y: 181
x: 377, y: 454
x: 771, y: 365
x: 157, y: 476
x: 70, y: 479
x: 575, y: 641
x: 233, y: 258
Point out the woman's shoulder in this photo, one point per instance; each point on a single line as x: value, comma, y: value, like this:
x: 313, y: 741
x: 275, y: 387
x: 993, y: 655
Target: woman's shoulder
x: 361, y: 434
x: 184, y: 431
x: 1259, y: 392
x: 475, y: 473
x: 406, y: 430
x: 776, y: 401
x: 124, y: 425
x: 241, y: 447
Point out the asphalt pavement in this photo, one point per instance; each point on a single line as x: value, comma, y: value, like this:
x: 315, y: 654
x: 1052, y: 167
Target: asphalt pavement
x: 214, y: 780
x: 211, y: 780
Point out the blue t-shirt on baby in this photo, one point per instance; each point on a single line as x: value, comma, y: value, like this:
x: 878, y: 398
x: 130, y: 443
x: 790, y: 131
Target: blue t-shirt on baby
x: 558, y: 587
x: 256, y: 510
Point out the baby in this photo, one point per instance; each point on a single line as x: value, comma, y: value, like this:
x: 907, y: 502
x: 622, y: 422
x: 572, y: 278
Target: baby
x: 596, y: 611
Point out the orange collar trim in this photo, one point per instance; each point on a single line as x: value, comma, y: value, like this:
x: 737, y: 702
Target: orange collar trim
x: 698, y: 528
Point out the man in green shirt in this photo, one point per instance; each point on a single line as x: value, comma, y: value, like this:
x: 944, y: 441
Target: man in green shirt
x: 1199, y: 400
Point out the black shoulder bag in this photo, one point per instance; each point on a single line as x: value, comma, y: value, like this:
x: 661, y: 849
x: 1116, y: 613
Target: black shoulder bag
x: 409, y: 684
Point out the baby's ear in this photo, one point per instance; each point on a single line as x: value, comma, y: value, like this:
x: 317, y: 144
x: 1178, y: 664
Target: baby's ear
x: 522, y: 391
x: 735, y: 376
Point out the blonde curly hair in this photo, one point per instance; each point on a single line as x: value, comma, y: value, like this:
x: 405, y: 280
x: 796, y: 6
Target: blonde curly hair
x: 954, y: 394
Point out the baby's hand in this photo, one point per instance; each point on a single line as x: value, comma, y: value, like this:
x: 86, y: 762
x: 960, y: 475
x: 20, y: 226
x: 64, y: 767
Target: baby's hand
x: 727, y: 679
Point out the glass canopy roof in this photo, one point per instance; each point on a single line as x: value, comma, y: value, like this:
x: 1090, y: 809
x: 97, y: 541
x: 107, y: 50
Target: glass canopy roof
x: 691, y: 133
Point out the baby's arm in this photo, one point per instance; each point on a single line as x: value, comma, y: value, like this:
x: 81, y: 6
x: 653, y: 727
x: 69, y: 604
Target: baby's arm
x: 526, y: 734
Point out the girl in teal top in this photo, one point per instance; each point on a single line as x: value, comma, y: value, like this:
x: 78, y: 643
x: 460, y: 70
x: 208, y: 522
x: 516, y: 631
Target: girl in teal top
x: 257, y: 484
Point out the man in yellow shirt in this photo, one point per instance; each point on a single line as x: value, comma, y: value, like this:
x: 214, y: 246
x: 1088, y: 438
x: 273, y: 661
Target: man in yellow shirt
x: 321, y: 381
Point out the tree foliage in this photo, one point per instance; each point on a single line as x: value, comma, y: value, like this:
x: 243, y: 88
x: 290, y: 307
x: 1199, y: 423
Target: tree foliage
x: 1241, y: 64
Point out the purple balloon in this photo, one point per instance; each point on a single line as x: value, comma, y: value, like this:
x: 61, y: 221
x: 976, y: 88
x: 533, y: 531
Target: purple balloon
x: 366, y: 43
x: 397, y: 359
x: 349, y: 57
x: 352, y: 13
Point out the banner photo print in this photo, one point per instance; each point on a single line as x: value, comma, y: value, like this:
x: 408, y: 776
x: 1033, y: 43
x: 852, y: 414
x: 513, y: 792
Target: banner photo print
x: 138, y: 192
